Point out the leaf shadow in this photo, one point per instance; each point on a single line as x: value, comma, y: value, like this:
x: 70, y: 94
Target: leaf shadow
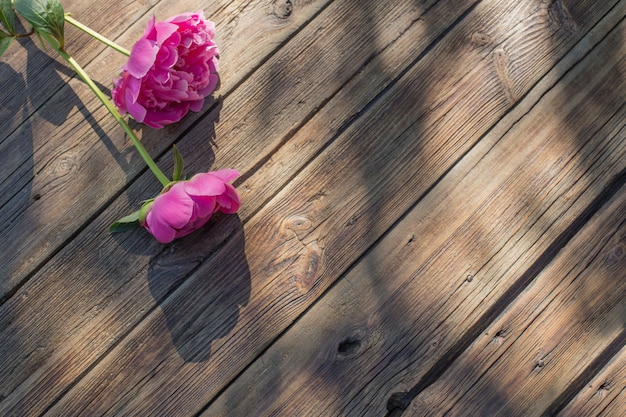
x: 61, y: 105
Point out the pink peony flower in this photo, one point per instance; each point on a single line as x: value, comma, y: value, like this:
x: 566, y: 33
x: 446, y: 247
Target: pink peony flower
x: 170, y: 71
x: 188, y: 205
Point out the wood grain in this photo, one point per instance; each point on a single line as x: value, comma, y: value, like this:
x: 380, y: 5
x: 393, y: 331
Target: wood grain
x: 55, y: 186
x: 129, y: 257
x: 303, y: 237
x: 402, y: 309
x: 604, y: 393
x: 343, y: 118
x: 549, y: 335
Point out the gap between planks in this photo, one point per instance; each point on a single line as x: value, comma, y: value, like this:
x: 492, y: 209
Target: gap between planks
x: 257, y: 398
x: 529, y: 359
x: 90, y: 245
x: 103, y: 159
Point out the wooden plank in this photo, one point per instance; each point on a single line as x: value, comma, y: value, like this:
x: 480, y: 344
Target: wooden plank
x: 49, y: 176
x: 543, y: 342
x: 99, y: 309
x: 606, y: 391
x: 400, y: 311
x: 308, y: 232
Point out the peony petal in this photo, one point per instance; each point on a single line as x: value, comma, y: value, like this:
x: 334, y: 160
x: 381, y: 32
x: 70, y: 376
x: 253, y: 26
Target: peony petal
x: 225, y: 175
x: 158, y: 119
x: 168, y: 56
x: 209, y: 27
x: 118, y: 93
x: 162, y: 232
x: 164, y: 31
x: 183, y: 17
x: 229, y: 202
x: 141, y: 58
x: 204, y: 184
x: 192, y: 227
x: 133, y: 107
x: 149, y: 27
x: 174, y: 207
x: 204, y: 206
x: 196, y: 105
x: 132, y: 87
x: 212, y: 85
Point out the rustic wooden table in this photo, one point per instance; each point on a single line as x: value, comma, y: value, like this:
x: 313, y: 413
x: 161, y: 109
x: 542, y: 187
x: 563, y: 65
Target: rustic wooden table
x: 433, y: 217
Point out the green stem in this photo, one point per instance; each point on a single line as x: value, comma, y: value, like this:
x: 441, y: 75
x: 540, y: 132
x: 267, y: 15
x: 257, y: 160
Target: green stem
x: 118, y: 117
x: 69, y: 19
x: 24, y: 35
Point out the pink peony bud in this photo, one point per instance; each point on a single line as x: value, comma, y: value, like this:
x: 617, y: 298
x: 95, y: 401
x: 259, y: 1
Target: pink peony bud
x: 188, y: 205
x: 171, y: 69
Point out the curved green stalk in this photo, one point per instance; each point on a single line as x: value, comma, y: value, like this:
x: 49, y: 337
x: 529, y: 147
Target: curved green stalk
x: 69, y: 19
x: 118, y: 117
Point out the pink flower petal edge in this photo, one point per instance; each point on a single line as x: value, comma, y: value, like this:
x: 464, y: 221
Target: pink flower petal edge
x: 172, y: 68
x: 188, y: 205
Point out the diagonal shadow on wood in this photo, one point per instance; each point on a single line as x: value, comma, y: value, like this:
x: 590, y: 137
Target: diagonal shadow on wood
x: 333, y: 376
x: 22, y: 194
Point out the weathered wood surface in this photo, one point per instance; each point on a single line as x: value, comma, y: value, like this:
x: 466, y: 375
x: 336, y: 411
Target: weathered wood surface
x: 408, y: 298
x: 571, y: 314
x: 64, y: 170
x: 411, y: 175
x: 605, y: 394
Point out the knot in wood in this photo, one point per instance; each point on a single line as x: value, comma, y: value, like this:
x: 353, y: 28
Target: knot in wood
x: 354, y: 344
x: 615, y: 256
x: 349, y: 346
x: 502, y: 61
x: 65, y: 164
x: 297, y: 223
x: 559, y: 14
x: 282, y: 8
x: 481, y: 39
x: 398, y: 401
x: 352, y: 221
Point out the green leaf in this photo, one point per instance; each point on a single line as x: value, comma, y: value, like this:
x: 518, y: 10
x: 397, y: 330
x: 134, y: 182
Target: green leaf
x: 125, y: 223
x: 46, y: 17
x: 143, y: 211
x: 6, y: 16
x: 179, y: 164
x: 43, y: 44
x: 4, y: 43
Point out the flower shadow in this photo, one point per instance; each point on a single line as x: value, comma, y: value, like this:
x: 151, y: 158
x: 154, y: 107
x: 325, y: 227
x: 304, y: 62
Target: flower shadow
x: 201, y: 310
